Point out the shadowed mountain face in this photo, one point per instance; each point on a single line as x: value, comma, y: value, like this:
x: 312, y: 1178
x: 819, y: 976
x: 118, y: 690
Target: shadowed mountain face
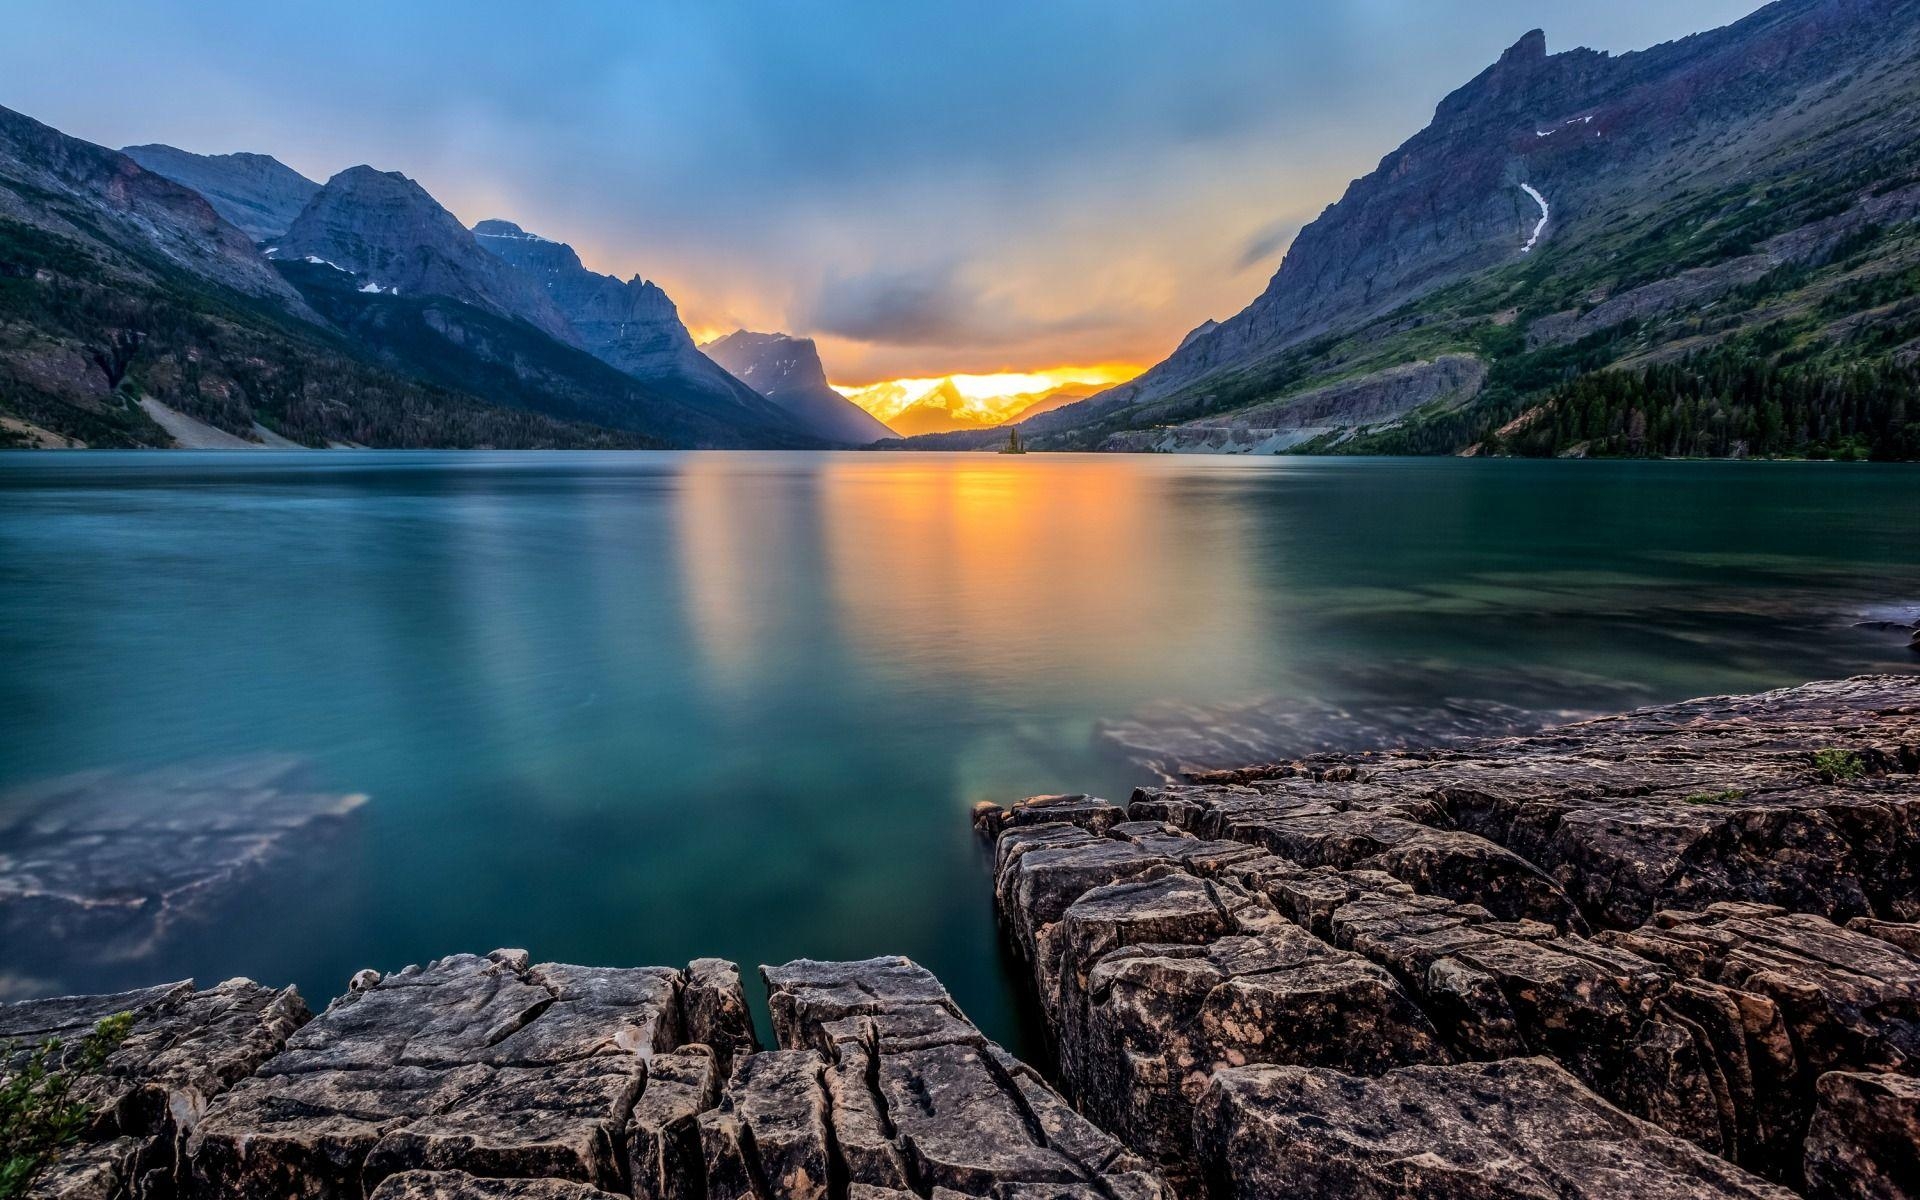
x: 787, y: 371
x: 121, y: 290
x: 1553, y: 185
x: 256, y: 192
x: 384, y: 227
x: 104, y: 199
x: 632, y: 326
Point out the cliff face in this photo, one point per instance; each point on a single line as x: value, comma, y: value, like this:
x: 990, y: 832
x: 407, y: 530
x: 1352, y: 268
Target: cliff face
x: 384, y: 227
x: 631, y: 326
x: 258, y: 193
x: 1552, y: 180
x: 787, y: 371
x: 111, y: 203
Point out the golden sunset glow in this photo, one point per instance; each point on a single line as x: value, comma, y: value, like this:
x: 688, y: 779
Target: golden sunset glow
x: 986, y: 399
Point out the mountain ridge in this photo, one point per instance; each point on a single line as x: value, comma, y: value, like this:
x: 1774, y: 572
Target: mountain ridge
x: 788, y: 371
x: 1556, y: 183
x: 257, y: 193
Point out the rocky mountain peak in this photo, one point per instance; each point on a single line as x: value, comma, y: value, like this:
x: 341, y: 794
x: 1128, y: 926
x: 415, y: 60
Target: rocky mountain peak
x: 104, y: 198
x: 787, y: 370
x: 769, y: 355
x: 386, y: 227
x: 1531, y: 48
x: 527, y: 251
x: 256, y: 192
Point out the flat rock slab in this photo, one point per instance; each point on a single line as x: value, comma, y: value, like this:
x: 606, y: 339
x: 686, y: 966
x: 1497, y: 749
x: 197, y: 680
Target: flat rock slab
x: 490, y: 1066
x: 1520, y: 1128
x: 111, y: 862
x: 1804, y: 797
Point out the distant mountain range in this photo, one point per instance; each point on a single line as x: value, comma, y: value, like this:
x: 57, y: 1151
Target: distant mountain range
x: 787, y: 371
x: 917, y: 409
x: 1720, y: 231
x: 158, y: 297
x: 1710, y: 247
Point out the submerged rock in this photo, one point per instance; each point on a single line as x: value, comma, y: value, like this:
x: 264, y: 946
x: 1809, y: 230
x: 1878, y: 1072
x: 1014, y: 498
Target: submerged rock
x: 109, y: 863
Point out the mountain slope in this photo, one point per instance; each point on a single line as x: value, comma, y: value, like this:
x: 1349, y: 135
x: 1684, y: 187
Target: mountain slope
x: 385, y: 227
x: 121, y: 291
x: 1573, y: 212
x: 257, y: 193
x: 787, y: 371
x: 942, y: 409
x: 466, y: 348
x: 632, y: 326
x: 103, y: 199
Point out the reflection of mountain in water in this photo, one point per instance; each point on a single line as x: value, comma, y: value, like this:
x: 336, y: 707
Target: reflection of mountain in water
x: 101, y: 865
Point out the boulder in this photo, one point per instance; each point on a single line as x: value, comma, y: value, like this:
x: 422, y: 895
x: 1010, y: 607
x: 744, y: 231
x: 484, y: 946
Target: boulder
x: 1864, y: 1142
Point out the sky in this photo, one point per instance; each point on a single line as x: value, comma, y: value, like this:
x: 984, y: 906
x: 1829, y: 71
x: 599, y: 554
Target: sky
x: 924, y: 188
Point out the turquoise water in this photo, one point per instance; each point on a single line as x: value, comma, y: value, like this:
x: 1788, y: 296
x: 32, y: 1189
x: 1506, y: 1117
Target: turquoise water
x: 634, y: 708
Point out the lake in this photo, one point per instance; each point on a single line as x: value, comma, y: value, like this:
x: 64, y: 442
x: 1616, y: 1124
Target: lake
x: 637, y: 708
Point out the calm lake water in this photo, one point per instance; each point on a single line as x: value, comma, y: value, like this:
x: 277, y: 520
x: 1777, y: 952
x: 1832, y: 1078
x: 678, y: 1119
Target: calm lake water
x: 636, y: 708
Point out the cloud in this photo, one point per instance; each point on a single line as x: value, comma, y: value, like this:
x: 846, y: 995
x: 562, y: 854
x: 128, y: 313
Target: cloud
x: 1266, y: 242
x: 930, y: 306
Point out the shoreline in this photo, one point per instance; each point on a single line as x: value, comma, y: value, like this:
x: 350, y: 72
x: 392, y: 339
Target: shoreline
x: 1216, y: 961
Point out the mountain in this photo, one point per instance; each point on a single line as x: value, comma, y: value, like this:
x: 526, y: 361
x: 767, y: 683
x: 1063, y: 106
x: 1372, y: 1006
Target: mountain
x: 787, y: 371
x: 133, y: 314
x: 470, y: 349
x: 941, y: 409
x: 1032, y: 404
x: 384, y: 227
x: 257, y: 193
x: 1749, y: 192
x: 632, y: 326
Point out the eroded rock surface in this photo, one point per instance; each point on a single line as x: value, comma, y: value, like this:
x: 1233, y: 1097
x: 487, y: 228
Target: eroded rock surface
x: 916, y: 1098
x: 1749, y: 863
x: 489, y: 1066
x: 184, y: 1049
x: 111, y: 862
x: 1520, y: 1128
x: 1865, y: 1139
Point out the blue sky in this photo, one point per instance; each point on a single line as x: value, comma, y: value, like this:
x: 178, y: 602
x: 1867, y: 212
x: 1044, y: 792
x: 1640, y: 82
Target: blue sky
x: 926, y: 187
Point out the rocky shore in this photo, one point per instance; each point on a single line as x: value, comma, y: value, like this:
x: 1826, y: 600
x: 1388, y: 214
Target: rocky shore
x: 476, y: 1077
x: 1665, y: 954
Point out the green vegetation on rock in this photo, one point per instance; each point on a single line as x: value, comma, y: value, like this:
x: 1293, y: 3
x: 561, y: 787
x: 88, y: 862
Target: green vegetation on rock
x: 39, y: 1116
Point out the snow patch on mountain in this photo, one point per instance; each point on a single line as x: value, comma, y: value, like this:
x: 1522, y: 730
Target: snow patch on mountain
x: 1541, y: 226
